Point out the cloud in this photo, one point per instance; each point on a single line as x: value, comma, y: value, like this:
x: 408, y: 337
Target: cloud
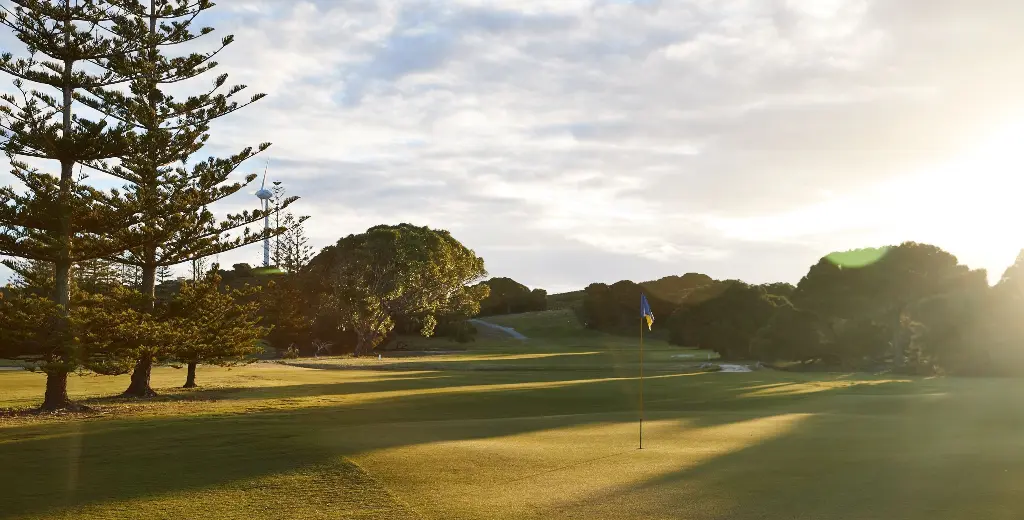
x: 585, y: 140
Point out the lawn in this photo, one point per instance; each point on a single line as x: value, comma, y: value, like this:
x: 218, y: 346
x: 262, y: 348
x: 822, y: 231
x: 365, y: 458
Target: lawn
x: 538, y: 429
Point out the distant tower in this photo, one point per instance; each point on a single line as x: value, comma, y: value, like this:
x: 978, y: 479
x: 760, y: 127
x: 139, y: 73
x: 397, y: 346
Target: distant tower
x: 278, y: 192
x: 264, y: 195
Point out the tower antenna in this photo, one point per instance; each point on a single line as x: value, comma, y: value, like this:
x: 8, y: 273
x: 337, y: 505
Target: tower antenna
x: 265, y: 195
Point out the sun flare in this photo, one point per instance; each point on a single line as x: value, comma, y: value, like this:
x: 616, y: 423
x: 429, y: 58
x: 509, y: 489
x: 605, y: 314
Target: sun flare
x: 971, y: 204
x: 967, y: 205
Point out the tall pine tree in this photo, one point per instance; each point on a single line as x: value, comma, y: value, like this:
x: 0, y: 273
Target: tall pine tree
x: 169, y: 132
x: 291, y: 250
x: 294, y: 252
x: 72, y: 59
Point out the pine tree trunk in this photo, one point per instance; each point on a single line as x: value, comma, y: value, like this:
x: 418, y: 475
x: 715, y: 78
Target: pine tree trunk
x: 190, y: 380
x: 62, y: 284
x: 56, y: 397
x: 140, y: 386
x: 62, y: 274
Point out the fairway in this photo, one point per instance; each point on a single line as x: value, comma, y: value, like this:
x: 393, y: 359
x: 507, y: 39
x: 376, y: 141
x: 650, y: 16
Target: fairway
x: 536, y: 429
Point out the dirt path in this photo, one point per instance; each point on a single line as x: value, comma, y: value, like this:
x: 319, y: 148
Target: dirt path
x: 507, y: 331
x: 735, y: 368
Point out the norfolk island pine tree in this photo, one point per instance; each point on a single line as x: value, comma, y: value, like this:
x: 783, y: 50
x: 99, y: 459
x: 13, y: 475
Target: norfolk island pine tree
x: 73, y: 47
x: 168, y: 133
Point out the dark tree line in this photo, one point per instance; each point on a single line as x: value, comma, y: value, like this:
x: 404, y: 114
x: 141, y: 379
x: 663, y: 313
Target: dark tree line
x: 877, y: 308
x: 912, y: 308
x: 201, y: 323
x: 356, y: 296
x: 508, y: 296
x: 615, y: 308
x: 723, y: 316
x: 677, y: 289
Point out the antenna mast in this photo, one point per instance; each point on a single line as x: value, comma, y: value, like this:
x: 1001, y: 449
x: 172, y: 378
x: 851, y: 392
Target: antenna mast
x: 264, y: 195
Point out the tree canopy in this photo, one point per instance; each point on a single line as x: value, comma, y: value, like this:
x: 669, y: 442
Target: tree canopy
x: 911, y: 307
x: 728, y: 322
x: 217, y: 325
x: 616, y: 308
x: 677, y: 289
x: 370, y: 279
x: 508, y: 296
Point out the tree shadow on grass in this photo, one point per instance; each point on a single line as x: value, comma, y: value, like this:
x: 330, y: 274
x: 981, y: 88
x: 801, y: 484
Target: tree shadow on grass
x: 857, y: 454
x: 91, y: 462
x: 221, y: 393
x: 585, y: 359
x: 389, y: 382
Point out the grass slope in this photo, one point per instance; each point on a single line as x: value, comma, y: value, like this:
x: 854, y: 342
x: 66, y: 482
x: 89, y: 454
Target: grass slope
x: 547, y: 325
x: 566, y: 300
x: 545, y: 429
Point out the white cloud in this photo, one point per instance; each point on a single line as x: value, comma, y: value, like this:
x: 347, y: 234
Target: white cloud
x: 645, y: 138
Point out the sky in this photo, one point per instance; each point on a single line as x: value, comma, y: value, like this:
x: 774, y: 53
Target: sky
x: 585, y: 141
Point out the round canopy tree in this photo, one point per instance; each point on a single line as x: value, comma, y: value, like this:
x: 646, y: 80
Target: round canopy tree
x: 370, y: 279
x: 879, y: 286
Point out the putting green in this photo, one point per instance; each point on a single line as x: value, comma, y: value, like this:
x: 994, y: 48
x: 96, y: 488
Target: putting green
x: 536, y: 430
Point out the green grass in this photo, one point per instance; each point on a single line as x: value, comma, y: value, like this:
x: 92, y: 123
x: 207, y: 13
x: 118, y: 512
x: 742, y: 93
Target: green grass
x: 542, y: 429
x: 559, y: 323
x: 565, y: 300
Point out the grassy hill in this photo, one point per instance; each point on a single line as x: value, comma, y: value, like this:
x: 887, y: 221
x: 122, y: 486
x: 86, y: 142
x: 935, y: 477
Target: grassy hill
x: 670, y: 288
x: 558, y: 323
x: 565, y: 300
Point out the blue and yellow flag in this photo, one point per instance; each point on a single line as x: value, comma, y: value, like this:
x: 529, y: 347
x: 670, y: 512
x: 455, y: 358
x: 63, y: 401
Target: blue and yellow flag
x: 645, y: 311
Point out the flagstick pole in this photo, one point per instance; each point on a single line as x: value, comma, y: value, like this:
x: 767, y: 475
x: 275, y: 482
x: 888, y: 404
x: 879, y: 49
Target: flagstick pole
x: 642, y: 382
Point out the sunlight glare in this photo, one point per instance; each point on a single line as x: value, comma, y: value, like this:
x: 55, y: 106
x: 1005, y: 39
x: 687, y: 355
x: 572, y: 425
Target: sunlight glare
x: 970, y: 206
x: 967, y: 206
